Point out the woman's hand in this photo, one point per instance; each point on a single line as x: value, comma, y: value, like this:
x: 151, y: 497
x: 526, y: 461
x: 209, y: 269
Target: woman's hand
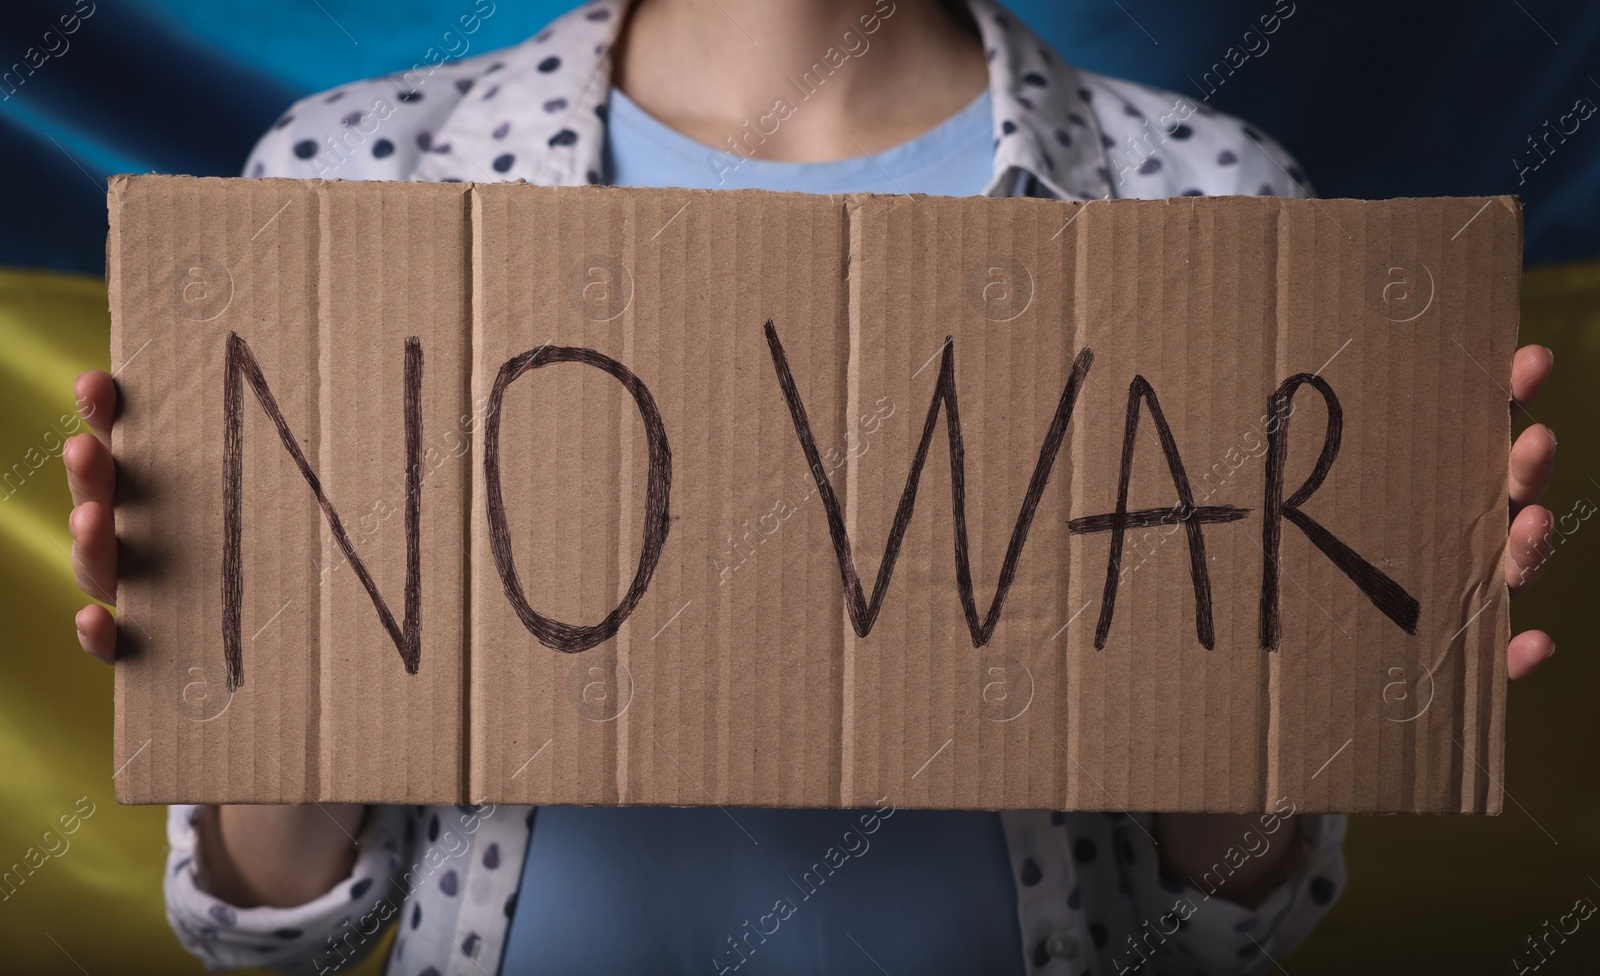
x: 92, y: 478
x: 256, y: 855
x: 1191, y: 843
x: 1533, y: 459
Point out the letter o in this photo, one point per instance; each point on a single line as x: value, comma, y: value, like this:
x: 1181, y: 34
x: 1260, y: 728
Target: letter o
x: 564, y: 637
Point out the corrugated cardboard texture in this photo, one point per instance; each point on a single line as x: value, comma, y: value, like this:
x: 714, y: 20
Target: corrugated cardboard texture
x: 658, y: 444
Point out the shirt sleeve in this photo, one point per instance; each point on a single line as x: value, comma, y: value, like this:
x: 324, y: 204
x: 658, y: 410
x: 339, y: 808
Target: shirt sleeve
x: 1192, y: 923
x: 324, y: 934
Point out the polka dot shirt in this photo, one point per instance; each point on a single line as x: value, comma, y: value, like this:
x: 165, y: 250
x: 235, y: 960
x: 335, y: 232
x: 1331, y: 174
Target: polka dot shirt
x: 1090, y: 897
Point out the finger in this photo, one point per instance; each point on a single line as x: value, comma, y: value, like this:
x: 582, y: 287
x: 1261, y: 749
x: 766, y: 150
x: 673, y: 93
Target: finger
x: 1529, y: 369
x: 1533, y: 460
x: 97, y: 632
x: 94, y: 551
x: 97, y: 401
x: 1527, y: 651
x: 90, y: 473
x: 1529, y: 547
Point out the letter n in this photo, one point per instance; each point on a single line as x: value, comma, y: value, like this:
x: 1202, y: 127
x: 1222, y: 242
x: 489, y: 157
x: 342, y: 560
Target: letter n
x: 242, y: 365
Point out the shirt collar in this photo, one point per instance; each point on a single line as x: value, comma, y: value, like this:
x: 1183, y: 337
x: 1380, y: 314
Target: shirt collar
x: 1043, y: 126
x: 538, y: 112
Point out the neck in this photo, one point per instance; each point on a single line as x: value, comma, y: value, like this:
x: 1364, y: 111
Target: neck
x: 799, y: 80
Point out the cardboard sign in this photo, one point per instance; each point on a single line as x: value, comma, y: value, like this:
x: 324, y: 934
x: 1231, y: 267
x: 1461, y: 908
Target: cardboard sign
x: 445, y: 493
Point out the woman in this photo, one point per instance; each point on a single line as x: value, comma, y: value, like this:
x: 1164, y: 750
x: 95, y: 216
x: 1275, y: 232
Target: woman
x: 820, y: 96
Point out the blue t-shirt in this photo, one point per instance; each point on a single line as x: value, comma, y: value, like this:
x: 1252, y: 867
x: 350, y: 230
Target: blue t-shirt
x: 766, y: 892
x: 954, y: 159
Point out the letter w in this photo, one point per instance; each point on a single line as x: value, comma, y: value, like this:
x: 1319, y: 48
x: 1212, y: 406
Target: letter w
x: 864, y: 610
x: 241, y: 363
